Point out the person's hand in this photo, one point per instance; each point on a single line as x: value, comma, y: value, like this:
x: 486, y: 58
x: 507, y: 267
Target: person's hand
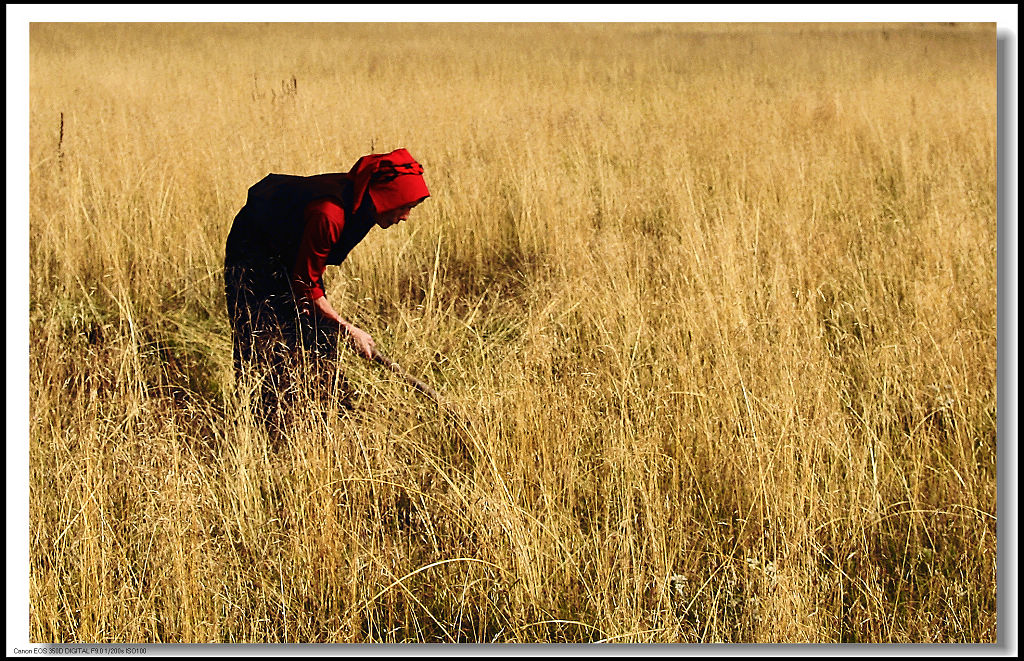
x: 360, y: 340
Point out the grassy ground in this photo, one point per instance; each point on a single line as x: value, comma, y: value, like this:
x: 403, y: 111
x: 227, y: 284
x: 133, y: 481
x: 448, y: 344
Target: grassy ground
x: 715, y: 306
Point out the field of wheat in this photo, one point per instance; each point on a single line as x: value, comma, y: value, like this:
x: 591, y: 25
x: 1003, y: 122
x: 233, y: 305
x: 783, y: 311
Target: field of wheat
x: 714, y: 307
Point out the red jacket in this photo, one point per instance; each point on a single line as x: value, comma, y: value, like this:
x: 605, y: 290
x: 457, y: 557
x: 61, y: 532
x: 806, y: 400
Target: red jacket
x: 324, y: 221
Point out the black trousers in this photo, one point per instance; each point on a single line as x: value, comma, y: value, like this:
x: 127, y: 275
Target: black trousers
x: 287, y: 352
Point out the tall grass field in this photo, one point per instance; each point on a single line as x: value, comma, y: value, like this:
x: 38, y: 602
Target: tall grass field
x: 713, y: 308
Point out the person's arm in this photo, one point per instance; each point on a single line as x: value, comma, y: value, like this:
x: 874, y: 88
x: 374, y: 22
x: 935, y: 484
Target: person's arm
x: 360, y: 339
x: 324, y: 223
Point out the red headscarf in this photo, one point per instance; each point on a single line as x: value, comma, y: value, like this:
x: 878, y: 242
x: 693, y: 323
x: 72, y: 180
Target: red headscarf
x: 393, y: 180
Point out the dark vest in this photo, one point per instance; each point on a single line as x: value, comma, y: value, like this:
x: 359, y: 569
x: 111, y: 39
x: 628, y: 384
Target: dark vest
x: 270, y: 225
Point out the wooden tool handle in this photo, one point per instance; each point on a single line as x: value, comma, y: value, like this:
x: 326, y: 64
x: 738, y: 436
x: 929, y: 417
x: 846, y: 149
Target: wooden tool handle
x: 408, y: 378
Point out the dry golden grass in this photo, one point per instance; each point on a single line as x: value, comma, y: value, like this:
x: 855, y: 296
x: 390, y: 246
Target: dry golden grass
x: 716, y: 306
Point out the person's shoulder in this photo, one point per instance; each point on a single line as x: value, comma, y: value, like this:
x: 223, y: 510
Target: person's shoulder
x: 328, y: 207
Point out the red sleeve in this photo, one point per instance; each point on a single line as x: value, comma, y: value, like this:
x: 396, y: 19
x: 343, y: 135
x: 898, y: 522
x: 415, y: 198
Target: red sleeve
x: 324, y: 222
